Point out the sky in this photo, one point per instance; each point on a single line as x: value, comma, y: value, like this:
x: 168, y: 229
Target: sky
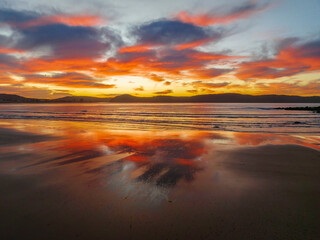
x: 104, y: 48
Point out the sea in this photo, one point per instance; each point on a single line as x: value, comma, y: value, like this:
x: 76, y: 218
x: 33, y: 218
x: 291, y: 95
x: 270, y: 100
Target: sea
x: 236, y: 117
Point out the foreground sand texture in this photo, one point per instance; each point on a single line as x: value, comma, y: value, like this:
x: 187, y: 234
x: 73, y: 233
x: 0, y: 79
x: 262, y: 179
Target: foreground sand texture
x: 94, y: 184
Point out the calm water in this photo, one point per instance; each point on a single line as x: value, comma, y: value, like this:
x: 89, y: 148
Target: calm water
x: 244, y: 117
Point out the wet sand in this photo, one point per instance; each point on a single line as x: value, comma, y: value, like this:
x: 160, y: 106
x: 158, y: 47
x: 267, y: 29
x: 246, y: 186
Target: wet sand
x: 12, y: 137
x: 179, y: 185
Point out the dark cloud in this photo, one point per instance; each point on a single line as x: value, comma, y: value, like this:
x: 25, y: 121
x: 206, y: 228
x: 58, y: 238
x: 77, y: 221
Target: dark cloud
x: 183, y: 59
x: 7, y: 61
x: 166, y: 32
x: 72, y: 79
x: 189, y: 59
x: 70, y: 75
x: 66, y: 41
x: 248, y: 8
x: 286, y: 42
x: 200, y: 84
x: 131, y: 56
x: 32, y: 31
x: 164, y: 92
x: 5, y: 41
x: 310, y: 49
x: 32, y: 92
x: 211, y: 72
x: 192, y: 91
x: 9, y: 16
x: 139, y: 88
x: 55, y: 34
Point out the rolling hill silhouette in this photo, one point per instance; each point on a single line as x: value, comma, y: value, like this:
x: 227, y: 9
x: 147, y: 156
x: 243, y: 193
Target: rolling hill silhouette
x: 210, y: 98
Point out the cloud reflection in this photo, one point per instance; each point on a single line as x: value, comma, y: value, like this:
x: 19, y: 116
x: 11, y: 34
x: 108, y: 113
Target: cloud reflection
x: 147, y: 160
x: 165, y: 159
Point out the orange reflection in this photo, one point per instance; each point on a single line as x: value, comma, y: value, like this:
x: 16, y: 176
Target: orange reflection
x: 256, y: 139
x: 163, y: 159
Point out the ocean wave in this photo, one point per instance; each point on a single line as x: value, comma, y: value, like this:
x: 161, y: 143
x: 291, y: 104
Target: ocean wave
x: 201, y: 116
x: 221, y: 123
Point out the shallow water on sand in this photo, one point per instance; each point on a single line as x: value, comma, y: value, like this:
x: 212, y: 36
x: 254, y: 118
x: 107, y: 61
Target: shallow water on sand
x: 83, y: 180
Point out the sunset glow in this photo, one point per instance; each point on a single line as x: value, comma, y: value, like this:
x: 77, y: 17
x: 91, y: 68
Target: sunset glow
x: 107, y: 49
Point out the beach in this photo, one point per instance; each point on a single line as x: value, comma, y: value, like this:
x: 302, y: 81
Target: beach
x: 159, y: 120
x: 71, y: 180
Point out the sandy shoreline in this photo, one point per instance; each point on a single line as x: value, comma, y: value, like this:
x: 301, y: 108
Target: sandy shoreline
x: 70, y: 190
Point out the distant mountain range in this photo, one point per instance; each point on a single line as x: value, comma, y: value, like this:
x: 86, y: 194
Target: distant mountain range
x: 11, y: 98
x: 80, y: 99
x: 126, y: 98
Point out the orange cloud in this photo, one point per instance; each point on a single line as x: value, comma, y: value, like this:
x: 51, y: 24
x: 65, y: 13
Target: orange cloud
x: 139, y: 88
x: 289, y: 61
x: 192, y: 91
x: 72, y: 79
x: 156, y: 78
x: 70, y: 20
x: 171, y: 62
x: 168, y: 91
x: 135, y: 48
x: 4, y: 50
x: 193, y: 44
x: 311, y: 88
x: 65, y: 65
x: 199, y: 19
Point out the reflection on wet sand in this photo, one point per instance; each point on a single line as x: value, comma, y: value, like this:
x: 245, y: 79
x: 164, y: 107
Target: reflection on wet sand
x: 99, y: 184
x: 160, y: 159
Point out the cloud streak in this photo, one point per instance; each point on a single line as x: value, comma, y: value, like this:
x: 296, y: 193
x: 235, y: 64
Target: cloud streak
x: 215, y: 16
x: 72, y: 79
x: 292, y: 58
